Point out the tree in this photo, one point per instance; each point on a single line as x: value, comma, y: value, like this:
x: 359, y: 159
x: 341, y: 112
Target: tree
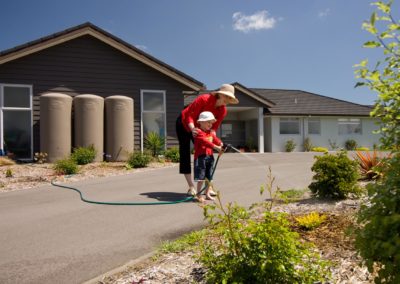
x: 377, y: 238
x: 384, y: 78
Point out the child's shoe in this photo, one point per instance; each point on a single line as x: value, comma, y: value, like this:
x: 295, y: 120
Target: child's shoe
x: 209, y: 197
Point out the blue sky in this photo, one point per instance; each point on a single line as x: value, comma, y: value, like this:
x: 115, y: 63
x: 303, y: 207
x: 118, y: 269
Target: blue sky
x: 308, y: 45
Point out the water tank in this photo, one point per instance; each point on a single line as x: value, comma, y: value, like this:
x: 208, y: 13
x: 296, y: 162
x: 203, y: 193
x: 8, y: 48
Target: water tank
x: 89, y: 123
x: 119, y: 128
x: 55, y: 125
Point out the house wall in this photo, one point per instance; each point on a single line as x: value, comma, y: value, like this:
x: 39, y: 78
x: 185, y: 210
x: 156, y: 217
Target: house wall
x: 329, y: 131
x: 86, y: 65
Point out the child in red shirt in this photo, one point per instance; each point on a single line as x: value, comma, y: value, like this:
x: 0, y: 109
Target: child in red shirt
x: 205, y: 143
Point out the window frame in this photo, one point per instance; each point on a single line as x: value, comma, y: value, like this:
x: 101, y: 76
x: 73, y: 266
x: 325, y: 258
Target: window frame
x: 142, y: 111
x: 319, y: 125
x: 293, y: 119
x: 340, y: 121
x: 2, y: 108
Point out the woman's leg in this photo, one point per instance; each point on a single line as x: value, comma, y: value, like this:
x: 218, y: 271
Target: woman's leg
x: 184, y: 138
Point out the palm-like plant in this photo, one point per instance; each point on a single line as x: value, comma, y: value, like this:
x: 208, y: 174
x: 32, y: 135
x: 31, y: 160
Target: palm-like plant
x: 370, y: 164
x: 155, y: 143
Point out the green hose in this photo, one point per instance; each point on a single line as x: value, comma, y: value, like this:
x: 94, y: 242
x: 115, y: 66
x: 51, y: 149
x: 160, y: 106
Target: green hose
x: 187, y: 199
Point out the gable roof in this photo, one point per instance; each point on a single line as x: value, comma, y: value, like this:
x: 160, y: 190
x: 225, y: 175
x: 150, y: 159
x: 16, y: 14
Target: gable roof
x: 295, y: 102
x: 100, y: 34
x: 267, y: 102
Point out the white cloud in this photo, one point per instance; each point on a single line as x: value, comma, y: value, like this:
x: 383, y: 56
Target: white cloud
x: 260, y: 20
x: 325, y: 13
x: 142, y: 47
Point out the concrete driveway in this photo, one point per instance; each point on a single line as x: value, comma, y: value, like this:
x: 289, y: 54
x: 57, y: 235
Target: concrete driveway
x: 47, y: 235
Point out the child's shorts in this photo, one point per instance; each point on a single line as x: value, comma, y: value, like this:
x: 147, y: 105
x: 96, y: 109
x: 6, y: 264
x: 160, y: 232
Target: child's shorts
x: 203, y: 167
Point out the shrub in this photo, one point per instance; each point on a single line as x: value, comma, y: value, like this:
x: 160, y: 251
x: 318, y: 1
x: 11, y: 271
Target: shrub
x: 332, y: 143
x: 172, y: 154
x: 66, y: 167
x: 84, y: 155
x: 307, y: 144
x: 4, y: 161
x: 335, y: 176
x: 319, y: 149
x: 311, y: 220
x: 370, y: 164
x: 40, y: 157
x: 377, y: 238
x: 350, y: 144
x: 9, y: 173
x: 290, y: 145
x: 155, y: 143
x: 139, y: 160
x: 244, y: 250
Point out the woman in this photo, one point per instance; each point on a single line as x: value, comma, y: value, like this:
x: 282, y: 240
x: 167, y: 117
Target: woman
x: 187, y: 127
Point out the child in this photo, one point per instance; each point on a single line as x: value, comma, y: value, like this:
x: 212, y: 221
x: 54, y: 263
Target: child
x: 204, y: 144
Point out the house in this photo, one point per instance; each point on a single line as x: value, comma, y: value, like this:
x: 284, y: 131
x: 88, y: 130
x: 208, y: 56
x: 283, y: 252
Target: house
x: 86, y: 60
x: 267, y: 118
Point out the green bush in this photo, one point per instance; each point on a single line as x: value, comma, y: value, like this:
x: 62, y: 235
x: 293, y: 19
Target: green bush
x: 155, y: 143
x: 84, y: 155
x: 377, y: 239
x: 172, y: 154
x: 290, y: 145
x: 245, y: 250
x: 139, y: 160
x: 319, y: 149
x: 307, y: 144
x: 350, y: 144
x: 335, y: 176
x: 66, y: 167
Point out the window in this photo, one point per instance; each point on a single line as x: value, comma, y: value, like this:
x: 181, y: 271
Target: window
x: 314, y: 126
x: 349, y: 126
x: 226, y: 130
x: 153, y: 113
x: 289, y: 126
x: 16, y: 120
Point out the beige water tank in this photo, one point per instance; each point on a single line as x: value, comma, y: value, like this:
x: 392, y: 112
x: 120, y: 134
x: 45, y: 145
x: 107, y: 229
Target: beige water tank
x: 55, y: 125
x: 89, y: 123
x: 119, y: 128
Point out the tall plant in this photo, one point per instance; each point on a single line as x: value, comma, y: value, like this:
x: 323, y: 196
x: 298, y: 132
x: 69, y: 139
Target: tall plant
x: 155, y: 143
x: 377, y: 239
x: 384, y: 77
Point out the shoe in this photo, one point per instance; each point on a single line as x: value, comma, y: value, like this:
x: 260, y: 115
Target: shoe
x: 191, y: 192
x: 209, y: 197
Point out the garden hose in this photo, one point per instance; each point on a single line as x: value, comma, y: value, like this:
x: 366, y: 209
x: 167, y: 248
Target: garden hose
x: 190, y: 198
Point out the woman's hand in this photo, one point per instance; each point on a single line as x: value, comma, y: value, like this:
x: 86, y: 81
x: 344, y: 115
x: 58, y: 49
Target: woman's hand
x: 195, y: 131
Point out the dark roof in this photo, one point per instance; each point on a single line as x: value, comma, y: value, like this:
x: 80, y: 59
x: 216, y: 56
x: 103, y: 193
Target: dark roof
x: 295, y: 102
x: 44, y: 42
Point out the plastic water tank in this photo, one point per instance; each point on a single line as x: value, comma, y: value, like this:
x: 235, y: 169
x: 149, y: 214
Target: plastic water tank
x: 89, y: 123
x: 119, y: 128
x: 55, y: 125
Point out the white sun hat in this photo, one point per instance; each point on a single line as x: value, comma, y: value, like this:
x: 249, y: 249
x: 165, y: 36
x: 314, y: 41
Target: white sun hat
x: 229, y: 91
x: 206, y: 116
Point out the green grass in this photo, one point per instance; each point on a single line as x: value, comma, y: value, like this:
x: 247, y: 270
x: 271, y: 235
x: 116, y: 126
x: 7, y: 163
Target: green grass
x: 292, y: 194
x: 186, y: 242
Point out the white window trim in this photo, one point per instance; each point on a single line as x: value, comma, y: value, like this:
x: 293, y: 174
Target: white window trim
x: 30, y: 87
x: 348, y: 119
x: 308, y: 126
x: 164, y: 111
x: 290, y: 134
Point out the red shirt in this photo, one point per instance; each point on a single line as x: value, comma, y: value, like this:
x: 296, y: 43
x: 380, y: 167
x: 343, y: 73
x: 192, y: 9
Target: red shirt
x: 204, y: 143
x: 202, y: 103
